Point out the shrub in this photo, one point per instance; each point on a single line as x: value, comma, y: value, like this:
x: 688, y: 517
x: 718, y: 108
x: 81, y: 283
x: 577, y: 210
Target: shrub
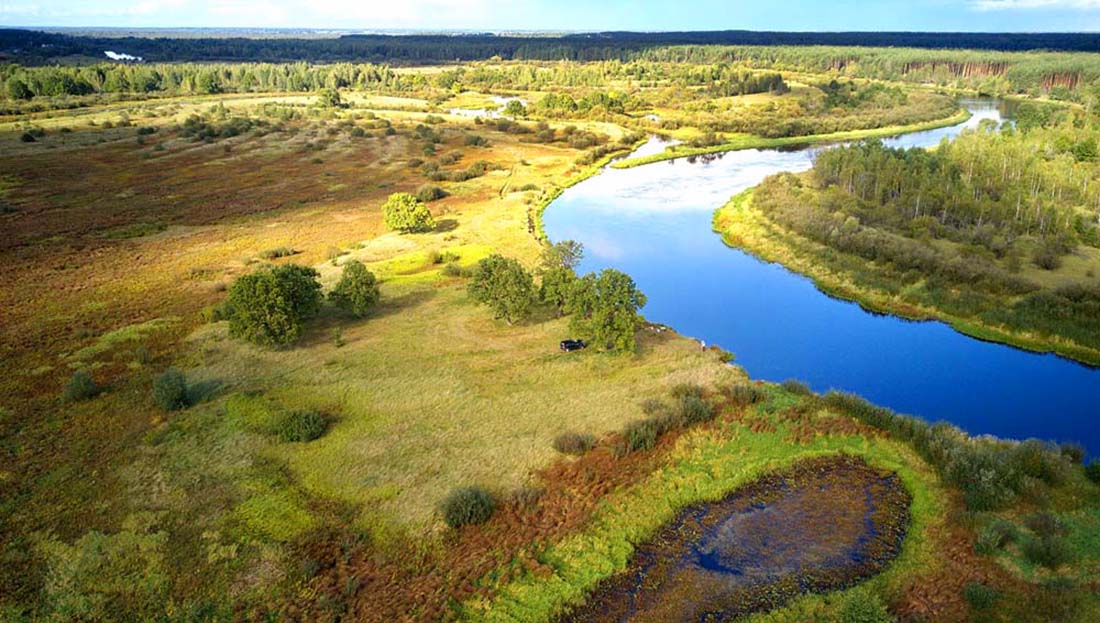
x: 1050, y: 552
x: 142, y: 355
x: 1045, y: 525
x: 405, y: 213
x: 357, y: 291
x: 269, y: 307
x: 170, y: 390
x: 277, y: 252
x: 745, y: 394
x: 797, y: 387
x: 574, y: 443
x: 1074, y: 453
x: 468, y: 506
x: 505, y: 286
x: 995, y: 536
x: 682, y: 390
x: 430, y: 192
x: 641, y: 434
x: 864, y: 607
x: 27, y: 137
x: 694, y: 409
x: 1092, y: 470
x: 301, y: 426
x: 80, y: 387
x: 980, y: 596
x: 454, y: 269
x: 655, y: 407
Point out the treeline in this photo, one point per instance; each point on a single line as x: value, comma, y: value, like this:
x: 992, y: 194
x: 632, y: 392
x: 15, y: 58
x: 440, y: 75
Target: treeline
x: 20, y: 83
x: 36, y: 46
x: 993, y: 63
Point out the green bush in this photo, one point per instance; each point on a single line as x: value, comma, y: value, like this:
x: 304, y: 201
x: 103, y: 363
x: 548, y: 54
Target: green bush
x: 694, y: 409
x: 357, y: 291
x: 1044, y: 524
x: 270, y: 307
x: 864, y: 607
x: 301, y: 426
x: 468, y: 506
x: 980, y: 596
x: 80, y: 387
x: 745, y: 394
x: 454, y: 269
x: 170, y: 390
x: 1050, y: 551
x: 995, y: 536
x: 405, y: 213
x: 797, y: 387
x: 574, y: 443
x: 430, y: 192
x: 1092, y: 470
x: 277, y: 252
x: 682, y: 390
x: 641, y: 434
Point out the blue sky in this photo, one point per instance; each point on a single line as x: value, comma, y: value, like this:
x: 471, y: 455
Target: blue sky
x: 951, y: 15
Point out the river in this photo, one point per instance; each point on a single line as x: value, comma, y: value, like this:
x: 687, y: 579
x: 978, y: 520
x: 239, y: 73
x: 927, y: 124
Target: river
x: 654, y: 222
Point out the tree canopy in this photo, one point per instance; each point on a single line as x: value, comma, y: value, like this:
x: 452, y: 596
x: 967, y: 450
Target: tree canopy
x: 405, y: 213
x: 605, y: 309
x: 505, y: 286
x: 270, y: 306
x: 357, y: 291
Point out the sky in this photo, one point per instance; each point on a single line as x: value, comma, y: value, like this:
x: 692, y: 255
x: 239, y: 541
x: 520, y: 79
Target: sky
x: 566, y: 15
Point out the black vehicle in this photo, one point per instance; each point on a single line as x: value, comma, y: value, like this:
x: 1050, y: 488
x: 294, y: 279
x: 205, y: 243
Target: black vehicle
x: 572, y: 345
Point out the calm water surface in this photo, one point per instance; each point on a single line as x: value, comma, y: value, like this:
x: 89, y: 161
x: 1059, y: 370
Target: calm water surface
x: 654, y: 222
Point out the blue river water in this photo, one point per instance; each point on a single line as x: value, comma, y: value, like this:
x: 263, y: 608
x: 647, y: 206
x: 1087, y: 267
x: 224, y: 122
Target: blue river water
x: 654, y: 222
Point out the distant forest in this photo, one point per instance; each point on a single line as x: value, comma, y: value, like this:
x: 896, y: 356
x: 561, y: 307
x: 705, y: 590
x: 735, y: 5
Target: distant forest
x: 34, y: 47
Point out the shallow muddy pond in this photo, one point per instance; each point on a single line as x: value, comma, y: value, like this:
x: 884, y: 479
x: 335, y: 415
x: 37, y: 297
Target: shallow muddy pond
x: 822, y: 525
x: 654, y: 222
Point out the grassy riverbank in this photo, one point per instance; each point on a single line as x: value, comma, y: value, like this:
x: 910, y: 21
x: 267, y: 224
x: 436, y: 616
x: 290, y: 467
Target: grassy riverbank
x: 848, y: 277
x: 758, y: 142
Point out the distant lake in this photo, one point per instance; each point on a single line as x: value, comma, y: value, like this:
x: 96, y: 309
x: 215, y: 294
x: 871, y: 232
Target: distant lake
x: 654, y: 222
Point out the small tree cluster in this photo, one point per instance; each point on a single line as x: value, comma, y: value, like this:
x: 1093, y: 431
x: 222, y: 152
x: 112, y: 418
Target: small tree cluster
x: 357, y: 291
x: 405, y: 213
x: 505, y: 286
x: 270, y: 306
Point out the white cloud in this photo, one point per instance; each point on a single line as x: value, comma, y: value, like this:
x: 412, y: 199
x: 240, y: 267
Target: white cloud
x: 1011, y: 5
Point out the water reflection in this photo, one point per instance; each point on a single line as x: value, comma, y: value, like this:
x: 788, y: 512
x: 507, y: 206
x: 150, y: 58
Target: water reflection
x: 654, y: 223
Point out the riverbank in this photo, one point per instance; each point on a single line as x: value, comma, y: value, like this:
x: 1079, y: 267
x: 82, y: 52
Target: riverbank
x: 759, y: 142
x: 743, y: 227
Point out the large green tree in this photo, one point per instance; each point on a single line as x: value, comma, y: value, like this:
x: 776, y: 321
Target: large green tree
x: 505, y: 286
x: 270, y: 306
x: 405, y: 213
x: 357, y: 291
x: 605, y: 309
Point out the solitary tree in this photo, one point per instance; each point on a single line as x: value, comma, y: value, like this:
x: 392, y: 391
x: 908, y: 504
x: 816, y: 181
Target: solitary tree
x: 605, y: 309
x: 270, y: 306
x: 357, y: 290
x: 505, y: 286
x: 405, y: 213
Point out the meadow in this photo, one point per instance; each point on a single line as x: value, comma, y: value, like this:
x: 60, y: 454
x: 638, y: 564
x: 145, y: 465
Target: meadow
x: 128, y: 220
